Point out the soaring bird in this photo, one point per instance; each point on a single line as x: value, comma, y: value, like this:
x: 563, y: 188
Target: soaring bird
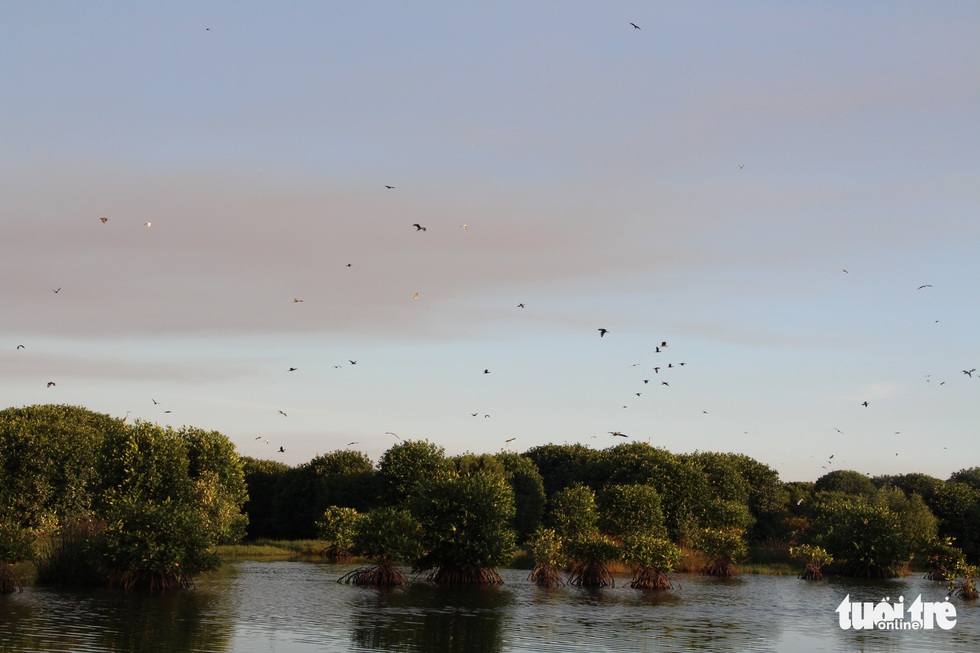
x: 20, y: 346
x: 617, y: 434
x: 56, y: 291
x: 291, y: 369
x: 520, y: 306
x: 927, y: 285
x: 865, y: 404
x: 474, y: 414
x: 155, y: 402
x: 283, y: 414
x: 394, y: 434
x: 603, y: 332
x: 297, y: 301
x: 281, y: 450
x: 486, y: 371
x: 418, y: 227
x: 510, y: 440
x: 352, y: 362
x: 51, y: 384
x: 969, y: 373
x: 389, y: 187
x: 350, y: 443
x: 635, y: 25
x: 104, y: 220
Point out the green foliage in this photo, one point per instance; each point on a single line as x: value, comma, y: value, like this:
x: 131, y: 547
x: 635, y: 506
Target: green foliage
x: 337, y: 527
x: 944, y: 559
x: 564, y: 465
x: 546, y: 548
x: 970, y: 476
x: 630, y: 511
x: 387, y: 535
x: 466, y: 528
x: 813, y: 558
x: 964, y: 583
x: 529, y: 496
x: 264, y: 479
x: 651, y: 552
x: 957, y: 507
x: 573, y: 513
x: 874, y: 535
x: 846, y: 481
x: 723, y: 547
x: 407, y: 469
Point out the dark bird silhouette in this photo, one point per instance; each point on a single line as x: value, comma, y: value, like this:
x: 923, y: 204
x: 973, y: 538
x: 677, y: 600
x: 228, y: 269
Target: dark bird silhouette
x: 155, y: 402
x: 104, y: 220
x: 865, y: 404
x: 394, y: 434
x: 389, y: 187
x: 350, y: 443
x: 352, y: 362
x: 348, y: 265
x: 617, y: 434
x: 646, y: 380
x: 20, y: 346
x: 259, y: 437
x: 281, y: 450
x: 56, y: 291
x: 665, y: 383
x: 291, y: 369
x: 741, y: 165
x: 168, y: 411
x: 51, y: 384
x: 969, y: 373
x: 474, y: 414
x: 663, y: 344
x: 297, y: 301
x: 486, y: 371
x: 635, y: 26
x: 510, y: 440
x: 603, y: 332
x: 418, y: 227
x: 283, y: 414
x: 927, y: 285
x: 520, y: 306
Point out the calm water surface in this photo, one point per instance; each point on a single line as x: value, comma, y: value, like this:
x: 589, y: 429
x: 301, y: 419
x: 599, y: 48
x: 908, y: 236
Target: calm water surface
x: 298, y: 607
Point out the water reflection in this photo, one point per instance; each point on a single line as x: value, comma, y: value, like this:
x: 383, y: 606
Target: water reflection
x: 423, y: 617
x: 294, y: 607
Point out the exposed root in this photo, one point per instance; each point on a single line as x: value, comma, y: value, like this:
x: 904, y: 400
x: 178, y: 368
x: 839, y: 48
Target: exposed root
x: 721, y: 568
x: 149, y: 580
x: 449, y: 576
x: 545, y: 575
x: 379, y: 575
x: 811, y: 572
x: 651, y: 579
x: 590, y: 574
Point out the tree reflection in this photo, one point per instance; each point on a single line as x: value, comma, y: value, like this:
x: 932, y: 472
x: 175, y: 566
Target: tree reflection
x: 424, y: 617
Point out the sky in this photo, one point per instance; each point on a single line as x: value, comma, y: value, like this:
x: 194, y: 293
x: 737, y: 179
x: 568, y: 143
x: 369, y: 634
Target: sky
x: 786, y: 194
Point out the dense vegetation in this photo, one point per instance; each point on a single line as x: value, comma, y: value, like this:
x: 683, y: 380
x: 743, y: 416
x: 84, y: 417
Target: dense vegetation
x: 91, y: 499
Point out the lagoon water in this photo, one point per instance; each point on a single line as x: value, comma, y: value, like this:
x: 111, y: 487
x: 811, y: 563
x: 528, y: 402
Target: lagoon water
x: 297, y: 606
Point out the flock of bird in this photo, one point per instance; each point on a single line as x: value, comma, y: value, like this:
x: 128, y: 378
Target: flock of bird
x: 659, y: 369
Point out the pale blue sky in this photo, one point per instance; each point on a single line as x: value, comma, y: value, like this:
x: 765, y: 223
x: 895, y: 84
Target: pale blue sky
x: 704, y: 181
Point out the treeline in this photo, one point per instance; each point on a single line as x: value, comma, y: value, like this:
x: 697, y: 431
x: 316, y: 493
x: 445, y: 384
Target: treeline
x: 91, y: 499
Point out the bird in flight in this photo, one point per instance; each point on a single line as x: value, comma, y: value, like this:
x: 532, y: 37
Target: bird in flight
x: 281, y: 450
x: 148, y: 224
x: 390, y: 433
x: 969, y: 373
x: 635, y: 26
x: 418, y: 227
x: 510, y: 440
x: 283, y: 414
x: 865, y: 404
x: 415, y: 296
x: 51, y: 384
x: 520, y: 306
x: 291, y: 369
x: 20, y: 346
x: 258, y: 437
x: 465, y: 226
x: 486, y: 371
x: 155, y: 402
x: 389, y: 187
x: 741, y: 165
x: 104, y: 220
x: 663, y: 344
x: 603, y: 332
x: 352, y: 362
x: 56, y: 291
x: 665, y: 383
x: 617, y: 434
x: 297, y: 301
x: 350, y: 443
x: 926, y: 285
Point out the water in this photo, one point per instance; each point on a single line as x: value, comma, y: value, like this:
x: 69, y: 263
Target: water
x: 288, y: 607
